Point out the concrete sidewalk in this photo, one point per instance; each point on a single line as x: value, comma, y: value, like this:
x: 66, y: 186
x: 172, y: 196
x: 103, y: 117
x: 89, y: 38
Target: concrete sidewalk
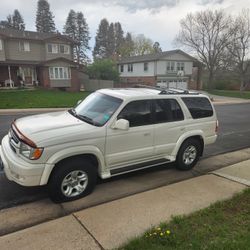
x: 112, y: 224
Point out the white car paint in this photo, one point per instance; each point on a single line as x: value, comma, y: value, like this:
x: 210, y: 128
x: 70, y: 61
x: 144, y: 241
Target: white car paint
x: 63, y: 135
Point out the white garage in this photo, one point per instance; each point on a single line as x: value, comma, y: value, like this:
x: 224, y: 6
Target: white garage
x: 181, y: 84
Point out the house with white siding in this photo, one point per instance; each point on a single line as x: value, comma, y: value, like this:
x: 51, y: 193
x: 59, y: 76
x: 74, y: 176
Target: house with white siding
x: 173, y: 68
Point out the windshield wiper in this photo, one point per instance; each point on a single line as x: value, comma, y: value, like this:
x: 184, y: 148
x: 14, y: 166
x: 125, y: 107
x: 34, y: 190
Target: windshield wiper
x: 84, y: 118
x: 72, y: 112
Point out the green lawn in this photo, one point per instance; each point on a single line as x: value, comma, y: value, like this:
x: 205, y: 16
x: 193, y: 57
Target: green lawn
x: 224, y: 225
x: 11, y: 99
x: 231, y: 93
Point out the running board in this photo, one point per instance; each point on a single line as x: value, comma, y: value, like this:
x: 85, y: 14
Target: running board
x: 139, y: 166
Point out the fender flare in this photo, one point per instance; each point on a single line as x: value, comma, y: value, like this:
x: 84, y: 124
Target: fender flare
x: 185, y: 137
x: 72, y: 151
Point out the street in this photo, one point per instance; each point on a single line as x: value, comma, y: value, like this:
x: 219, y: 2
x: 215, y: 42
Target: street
x: 234, y: 133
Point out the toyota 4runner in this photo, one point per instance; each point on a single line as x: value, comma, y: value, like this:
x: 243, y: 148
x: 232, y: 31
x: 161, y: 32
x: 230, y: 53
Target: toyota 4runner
x: 111, y: 132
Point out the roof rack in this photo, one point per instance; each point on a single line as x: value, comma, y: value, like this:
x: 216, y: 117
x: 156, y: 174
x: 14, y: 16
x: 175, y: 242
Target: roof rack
x: 169, y: 91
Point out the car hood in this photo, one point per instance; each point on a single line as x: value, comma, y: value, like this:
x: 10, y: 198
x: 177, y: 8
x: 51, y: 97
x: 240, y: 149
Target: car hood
x: 45, y: 127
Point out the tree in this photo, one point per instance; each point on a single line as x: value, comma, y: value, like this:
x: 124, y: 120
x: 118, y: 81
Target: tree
x: 206, y: 33
x: 142, y: 45
x: 69, y: 28
x: 111, y: 41
x: 127, y: 47
x: 82, y: 38
x: 14, y: 21
x: 17, y: 21
x: 101, y: 40
x: 239, y: 46
x: 77, y: 28
x: 119, y: 39
x: 157, y: 47
x: 104, y: 69
x: 44, y: 18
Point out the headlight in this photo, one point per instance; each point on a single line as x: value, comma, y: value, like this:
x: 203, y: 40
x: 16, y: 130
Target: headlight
x: 30, y: 152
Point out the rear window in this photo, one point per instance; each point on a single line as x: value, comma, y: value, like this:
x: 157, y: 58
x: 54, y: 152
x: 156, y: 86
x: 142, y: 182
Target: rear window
x: 199, y: 107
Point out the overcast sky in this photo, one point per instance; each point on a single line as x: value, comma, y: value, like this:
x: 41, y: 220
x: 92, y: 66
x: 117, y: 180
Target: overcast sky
x: 156, y: 19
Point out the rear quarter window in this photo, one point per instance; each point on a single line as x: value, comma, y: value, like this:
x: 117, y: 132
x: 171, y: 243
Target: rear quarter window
x: 199, y: 107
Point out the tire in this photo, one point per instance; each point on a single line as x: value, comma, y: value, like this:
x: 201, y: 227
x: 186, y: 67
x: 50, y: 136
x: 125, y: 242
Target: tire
x: 72, y: 179
x: 188, y: 155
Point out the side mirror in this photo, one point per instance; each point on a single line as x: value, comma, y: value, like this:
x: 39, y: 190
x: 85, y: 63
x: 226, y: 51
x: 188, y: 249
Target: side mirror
x: 121, y: 124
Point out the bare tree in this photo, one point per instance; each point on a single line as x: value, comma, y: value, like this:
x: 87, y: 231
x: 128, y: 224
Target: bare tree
x: 239, y: 46
x: 142, y: 45
x: 206, y: 33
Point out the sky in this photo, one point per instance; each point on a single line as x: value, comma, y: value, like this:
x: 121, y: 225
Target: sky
x: 156, y: 19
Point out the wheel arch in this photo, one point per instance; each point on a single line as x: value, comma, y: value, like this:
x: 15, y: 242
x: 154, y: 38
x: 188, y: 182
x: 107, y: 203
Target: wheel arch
x: 197, y: 135
x: 94, y: 155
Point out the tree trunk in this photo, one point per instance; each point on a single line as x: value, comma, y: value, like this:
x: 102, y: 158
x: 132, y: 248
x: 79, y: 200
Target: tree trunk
x: 242, y: 84
x: 210, y: 80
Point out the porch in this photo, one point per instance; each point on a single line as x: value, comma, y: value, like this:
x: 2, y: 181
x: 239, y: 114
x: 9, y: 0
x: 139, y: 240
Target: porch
x: 12, y: 75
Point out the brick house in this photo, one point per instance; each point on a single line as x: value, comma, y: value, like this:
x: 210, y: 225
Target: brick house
x: 169, y: 68
x: 39, y: 59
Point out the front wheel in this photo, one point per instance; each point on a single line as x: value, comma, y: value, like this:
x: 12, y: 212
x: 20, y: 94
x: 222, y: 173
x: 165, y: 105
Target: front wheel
x: 188, y: 154
x: 72, y: 180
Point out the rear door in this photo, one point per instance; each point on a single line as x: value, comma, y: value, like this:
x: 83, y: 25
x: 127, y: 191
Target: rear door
x: 169, y: 125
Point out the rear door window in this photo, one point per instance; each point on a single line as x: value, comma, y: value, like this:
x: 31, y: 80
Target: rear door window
x: 167, y: 110
x: 199, y: 107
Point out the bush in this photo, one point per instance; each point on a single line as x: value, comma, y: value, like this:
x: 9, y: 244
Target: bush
x: 104, y: 69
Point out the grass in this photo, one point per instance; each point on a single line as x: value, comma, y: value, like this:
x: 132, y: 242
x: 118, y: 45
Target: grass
x: 10, y: 99
x: 224, y: 225
x: 231, y: 93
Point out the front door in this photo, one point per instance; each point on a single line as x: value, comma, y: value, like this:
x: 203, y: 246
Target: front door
x: 136, y: 144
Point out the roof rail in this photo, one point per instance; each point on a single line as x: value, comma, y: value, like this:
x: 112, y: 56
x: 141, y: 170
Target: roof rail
x: 165, y: 90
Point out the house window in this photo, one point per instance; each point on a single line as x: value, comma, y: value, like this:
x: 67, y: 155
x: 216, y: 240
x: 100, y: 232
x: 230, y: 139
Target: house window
x: 64, y: 49
x: 180, y: 66
x: 24, y: 46
x: 52, y: 48
x: 171, y: 66
x: 121, y: 68
x: 146, y: 66
x: 1, y: 45
x: 130, y: 67
x: 59, y: 73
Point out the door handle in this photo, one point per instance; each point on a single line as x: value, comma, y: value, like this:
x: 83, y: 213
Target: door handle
x: 182, y: 129
x: 146, y: 134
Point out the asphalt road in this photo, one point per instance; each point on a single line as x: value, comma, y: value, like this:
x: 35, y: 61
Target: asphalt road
x: 234, y: 134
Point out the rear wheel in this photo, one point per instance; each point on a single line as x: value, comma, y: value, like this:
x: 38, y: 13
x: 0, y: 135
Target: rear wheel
x: 72, y: 179
x: 188, y: 154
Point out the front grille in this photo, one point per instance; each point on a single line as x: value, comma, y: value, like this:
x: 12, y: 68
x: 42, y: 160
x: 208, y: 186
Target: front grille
x: 12, y: 147
x: 13, y: 140
x: 14, y: 136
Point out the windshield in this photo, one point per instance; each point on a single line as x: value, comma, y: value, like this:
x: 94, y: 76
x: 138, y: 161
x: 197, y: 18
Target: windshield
x: 97, y: 108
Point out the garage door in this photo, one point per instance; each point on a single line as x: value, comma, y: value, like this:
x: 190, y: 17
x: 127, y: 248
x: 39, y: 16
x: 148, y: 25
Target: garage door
x: 179, y: 84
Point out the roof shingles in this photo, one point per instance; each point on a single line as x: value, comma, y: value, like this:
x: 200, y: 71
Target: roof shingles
x: 153, y: 57
x: 32, y: 35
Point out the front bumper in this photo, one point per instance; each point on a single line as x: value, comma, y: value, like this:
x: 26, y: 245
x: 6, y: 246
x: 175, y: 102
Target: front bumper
x: 17, y: 169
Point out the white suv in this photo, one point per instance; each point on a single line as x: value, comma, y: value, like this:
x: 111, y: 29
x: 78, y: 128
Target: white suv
x: 111, y: 132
